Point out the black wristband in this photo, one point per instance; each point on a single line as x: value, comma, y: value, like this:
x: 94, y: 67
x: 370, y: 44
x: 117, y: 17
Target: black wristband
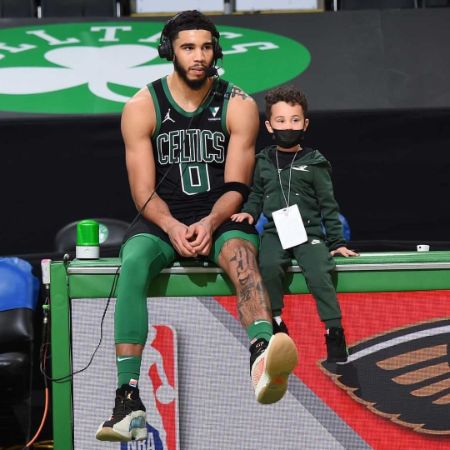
x: 242, y: 188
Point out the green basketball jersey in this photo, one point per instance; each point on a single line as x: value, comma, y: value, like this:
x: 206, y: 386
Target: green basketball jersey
x: 190, y: 149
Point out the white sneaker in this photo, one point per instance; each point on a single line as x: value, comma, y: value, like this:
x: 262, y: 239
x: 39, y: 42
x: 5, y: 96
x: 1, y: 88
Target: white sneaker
x: 272, y: 366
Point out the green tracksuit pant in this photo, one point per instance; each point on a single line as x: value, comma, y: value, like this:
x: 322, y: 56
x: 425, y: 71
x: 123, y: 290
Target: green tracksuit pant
x: 317, y: 266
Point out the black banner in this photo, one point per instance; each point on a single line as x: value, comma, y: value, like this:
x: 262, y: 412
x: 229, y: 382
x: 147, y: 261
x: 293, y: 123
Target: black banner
x: 380, y: 112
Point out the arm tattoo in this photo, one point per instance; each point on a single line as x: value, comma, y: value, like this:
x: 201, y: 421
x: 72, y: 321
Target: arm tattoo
x: 235, y: 91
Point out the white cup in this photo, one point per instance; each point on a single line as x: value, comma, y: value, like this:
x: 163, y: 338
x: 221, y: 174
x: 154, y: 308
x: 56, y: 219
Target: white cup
x: 423, y: 248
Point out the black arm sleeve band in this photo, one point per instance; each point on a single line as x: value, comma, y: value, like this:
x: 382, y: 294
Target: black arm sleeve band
x: 242, y: 188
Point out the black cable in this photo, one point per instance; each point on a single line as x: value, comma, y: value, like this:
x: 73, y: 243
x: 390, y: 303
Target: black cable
x: 71, y: 375
x: 45, y: 334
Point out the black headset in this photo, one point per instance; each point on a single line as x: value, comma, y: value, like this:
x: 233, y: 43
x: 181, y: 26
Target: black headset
x: 165, y: 49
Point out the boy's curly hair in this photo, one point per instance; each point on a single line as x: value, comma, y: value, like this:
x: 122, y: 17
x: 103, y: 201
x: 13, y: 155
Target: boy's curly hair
x: 288, y: 94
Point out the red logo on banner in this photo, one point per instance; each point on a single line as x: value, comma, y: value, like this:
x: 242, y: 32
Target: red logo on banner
x: 403, y: 375
x: 377, y: 318
x: 160, y: 355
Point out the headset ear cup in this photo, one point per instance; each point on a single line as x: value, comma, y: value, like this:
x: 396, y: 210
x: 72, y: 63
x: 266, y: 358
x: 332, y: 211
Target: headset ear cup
x: 218, y: 53
x: 165, y: 49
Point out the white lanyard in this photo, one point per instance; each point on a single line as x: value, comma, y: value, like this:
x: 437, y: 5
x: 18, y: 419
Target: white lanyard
x: 290, y: 176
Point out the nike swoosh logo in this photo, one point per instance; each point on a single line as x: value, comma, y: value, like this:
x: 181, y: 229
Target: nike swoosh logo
x: 123, y: 358
x: 301, y: 168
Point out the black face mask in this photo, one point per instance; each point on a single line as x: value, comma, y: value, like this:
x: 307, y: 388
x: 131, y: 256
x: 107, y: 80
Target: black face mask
x: 288, y: 138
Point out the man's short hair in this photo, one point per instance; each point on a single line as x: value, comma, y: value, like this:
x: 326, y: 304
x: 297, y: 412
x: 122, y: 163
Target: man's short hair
x: 288, y: 94
x: 189, y: 20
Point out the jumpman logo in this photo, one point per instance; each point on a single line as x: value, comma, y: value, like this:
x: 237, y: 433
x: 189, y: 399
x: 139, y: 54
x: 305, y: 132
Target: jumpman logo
x: 167, y: 117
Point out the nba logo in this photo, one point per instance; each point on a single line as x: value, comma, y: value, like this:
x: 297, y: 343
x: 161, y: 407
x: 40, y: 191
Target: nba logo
x: 158, y: 388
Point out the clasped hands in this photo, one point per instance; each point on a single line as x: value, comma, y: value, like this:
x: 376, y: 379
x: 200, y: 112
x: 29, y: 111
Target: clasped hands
x: 193, y: 240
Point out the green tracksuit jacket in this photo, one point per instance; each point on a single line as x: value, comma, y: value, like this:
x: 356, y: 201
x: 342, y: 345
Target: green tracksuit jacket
x: 312, y: 191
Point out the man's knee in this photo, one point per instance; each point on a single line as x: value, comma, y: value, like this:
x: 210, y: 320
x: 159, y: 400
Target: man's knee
x: 237, y: 248
x: 138, y: 256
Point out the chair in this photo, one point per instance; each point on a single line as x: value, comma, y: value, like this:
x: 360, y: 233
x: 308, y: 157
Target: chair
x: 79, y: 8
x: 19, y: 291
x: 111, y: 234
x: 17, y: 8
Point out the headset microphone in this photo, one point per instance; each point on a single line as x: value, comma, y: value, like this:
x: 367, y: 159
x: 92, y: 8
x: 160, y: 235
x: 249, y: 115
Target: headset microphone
x: 211, y: 71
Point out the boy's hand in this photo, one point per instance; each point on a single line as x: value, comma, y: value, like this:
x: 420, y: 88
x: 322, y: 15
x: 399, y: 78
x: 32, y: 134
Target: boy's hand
x: 343, y: 251
x: 240, y: 217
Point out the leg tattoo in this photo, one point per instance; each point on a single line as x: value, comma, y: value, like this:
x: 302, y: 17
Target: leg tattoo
x: 253, y: 302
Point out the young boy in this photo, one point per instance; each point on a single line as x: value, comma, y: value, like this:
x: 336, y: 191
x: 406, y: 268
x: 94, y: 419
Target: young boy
x: 289, y: 176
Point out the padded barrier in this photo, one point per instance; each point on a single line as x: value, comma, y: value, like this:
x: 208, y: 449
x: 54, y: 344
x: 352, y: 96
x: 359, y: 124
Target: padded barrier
x: 19, y: 288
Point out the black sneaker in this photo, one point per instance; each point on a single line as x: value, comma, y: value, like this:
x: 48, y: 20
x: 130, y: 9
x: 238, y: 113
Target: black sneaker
x: 281, y: 328
x: 256, y: 349
x: 128, y: 421
x: 336, y: 346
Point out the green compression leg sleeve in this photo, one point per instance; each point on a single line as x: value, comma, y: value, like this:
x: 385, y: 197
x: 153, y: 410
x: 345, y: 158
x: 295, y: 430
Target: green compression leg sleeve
x: 143, y: 257
x: 128, y: 368
x: 260, y: 329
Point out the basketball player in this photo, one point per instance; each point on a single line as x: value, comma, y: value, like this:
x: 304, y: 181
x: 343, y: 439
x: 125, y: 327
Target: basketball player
x: 189, y: 140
